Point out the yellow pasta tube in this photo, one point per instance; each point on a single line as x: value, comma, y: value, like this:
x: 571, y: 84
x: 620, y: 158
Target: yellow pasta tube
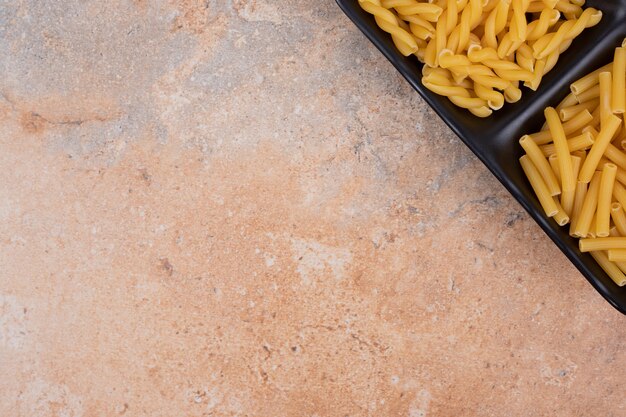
x: 582, y: 141
x: 595, y: 121
x: 575, y: 123
x: 554, y: 164
x: 615, y: 155
x: 609, y: 267
x: 568, y: 101
x: 619, y: 218
x: 592, y: 228
x: 539, y: 187
x: 568, y: 181
x: 561, y: 216
x: 618, y: 90
x: 617, y: 255
x: 590, y: 94
x: 542, y: 165
x: 605, y: 96
x: 566, y: 113
x: 603, y: 214
x: 581, y: 155
x: 589, y: 80
x: 588, y: 208
x: 621, y: 177
x: 602, y: 243
x: 579, y: 198
x: 601, y: 163
x: 619, y: 192
x: 598, y: 148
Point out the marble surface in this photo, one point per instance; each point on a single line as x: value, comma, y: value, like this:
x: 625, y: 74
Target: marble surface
x: 238, y: 208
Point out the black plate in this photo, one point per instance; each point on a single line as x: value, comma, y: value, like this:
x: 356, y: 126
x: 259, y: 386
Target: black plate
x: 495, y: 139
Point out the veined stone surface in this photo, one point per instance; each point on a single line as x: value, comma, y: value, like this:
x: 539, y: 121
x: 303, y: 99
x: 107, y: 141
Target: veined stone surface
x: 239, y: 208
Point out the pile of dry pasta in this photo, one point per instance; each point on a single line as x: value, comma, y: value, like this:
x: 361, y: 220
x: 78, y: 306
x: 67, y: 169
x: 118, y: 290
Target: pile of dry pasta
x: 476, y: 52
x: 577, y: 164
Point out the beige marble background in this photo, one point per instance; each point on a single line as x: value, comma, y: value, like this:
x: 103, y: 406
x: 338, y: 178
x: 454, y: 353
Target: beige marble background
x: 238, y: 208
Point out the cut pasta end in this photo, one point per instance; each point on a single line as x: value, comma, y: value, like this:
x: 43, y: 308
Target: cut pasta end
x: 562, y: 221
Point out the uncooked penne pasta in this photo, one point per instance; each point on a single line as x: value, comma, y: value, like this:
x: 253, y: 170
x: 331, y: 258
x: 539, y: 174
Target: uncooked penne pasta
x: 617, y: 255
x: 601, y: 243
x: 563, y: 154
x: 579, y: 198
x: 615, y: 155
x: 589, y: 80
x: 588, y: 209
x: 561, y: 216
x: 619, y: 218
x: 605, y: 194
x: 593, y: 92
x: 597, y: 149
x: 609, y: 267
x: 542, y: 165
x: 582, y: 141
x: 566, y: 113
x: 605, y: 96
x: 576, y: 123
x: 618, y: 90
x: 541, y: 190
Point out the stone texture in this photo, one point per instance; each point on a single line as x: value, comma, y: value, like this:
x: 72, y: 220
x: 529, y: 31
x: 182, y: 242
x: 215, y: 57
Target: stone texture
x: 238, y: 208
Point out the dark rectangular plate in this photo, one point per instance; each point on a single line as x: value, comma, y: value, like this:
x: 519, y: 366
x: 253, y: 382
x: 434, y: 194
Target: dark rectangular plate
x: 494, y: 140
